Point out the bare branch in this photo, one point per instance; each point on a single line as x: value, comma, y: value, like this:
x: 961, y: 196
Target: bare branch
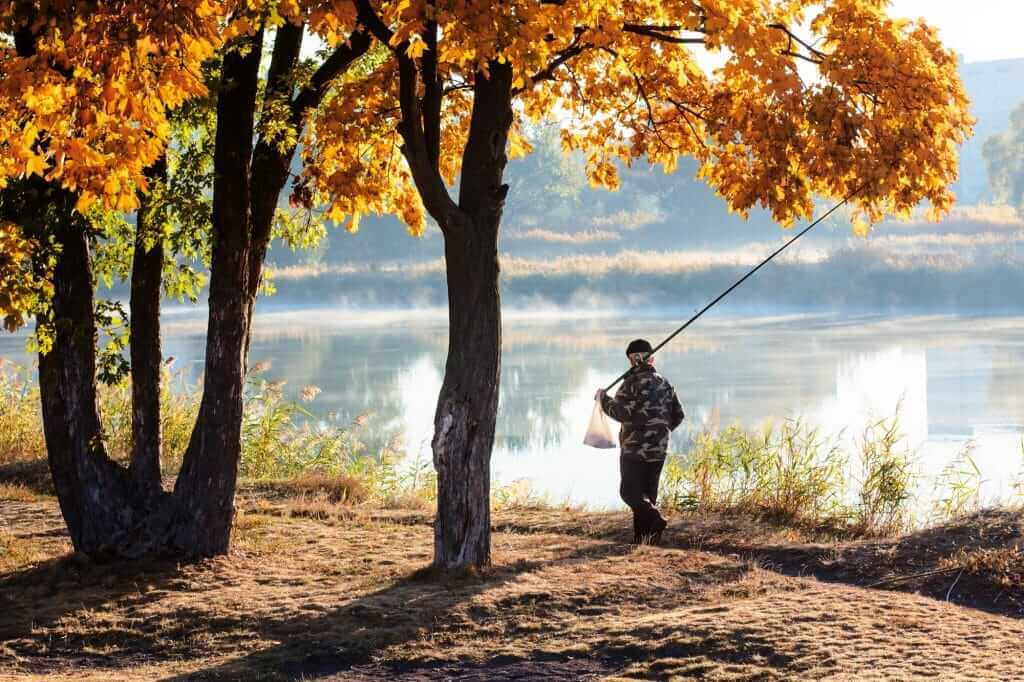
x: 425, y: 174
x: 548, y: 72
x: 339, y: 62
x: 659, y: 33
x: 432, y: 95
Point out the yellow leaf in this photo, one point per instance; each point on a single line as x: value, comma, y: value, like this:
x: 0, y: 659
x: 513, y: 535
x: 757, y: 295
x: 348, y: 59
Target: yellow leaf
x: 35, y: 165
x: 416, y: 47
x: 85, y: 200
x: 336, y: 213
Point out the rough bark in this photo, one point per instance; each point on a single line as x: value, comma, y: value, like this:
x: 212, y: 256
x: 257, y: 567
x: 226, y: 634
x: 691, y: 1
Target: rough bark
x: 467, y: 406
x: 95, y: 493
x: 144, y: 302
x: 205, y: 490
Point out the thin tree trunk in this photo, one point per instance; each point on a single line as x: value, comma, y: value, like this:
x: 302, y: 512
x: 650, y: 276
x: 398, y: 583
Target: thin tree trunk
x: 467, y: 406
x: 147, y: 271
x: 271, y: 162
x: 205, y: 489
x: 95, y: 494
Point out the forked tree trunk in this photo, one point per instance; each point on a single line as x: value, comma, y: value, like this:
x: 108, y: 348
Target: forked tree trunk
x: 144, y: 302
x: 95, y: 494
x: 467, y: 406
x: 204, y: 493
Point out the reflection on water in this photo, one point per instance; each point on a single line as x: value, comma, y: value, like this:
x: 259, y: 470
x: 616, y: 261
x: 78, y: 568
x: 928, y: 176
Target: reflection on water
x: 955, y: 380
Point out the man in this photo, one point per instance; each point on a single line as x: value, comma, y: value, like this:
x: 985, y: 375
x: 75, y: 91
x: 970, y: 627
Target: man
x: 647, y: 407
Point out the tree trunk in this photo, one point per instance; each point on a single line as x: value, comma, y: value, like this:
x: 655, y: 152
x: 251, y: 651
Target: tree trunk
x: 147, y: 276
x: 95, y: 493
x: 205, y: 490
x: 468, y: 403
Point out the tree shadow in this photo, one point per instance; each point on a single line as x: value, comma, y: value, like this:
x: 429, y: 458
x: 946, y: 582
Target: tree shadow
x: 51, y: 592
x: 909, y: 563
x: 917, y: 562
x: 349, y: 640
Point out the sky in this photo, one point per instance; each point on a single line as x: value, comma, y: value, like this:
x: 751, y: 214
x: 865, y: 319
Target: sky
x: 981, y: 30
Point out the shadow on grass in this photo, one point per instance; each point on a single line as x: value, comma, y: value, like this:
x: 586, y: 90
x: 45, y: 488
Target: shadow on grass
x: 917, y: 562
x: 908, y: 563
x: 349, y: 640
x: 60, y: 590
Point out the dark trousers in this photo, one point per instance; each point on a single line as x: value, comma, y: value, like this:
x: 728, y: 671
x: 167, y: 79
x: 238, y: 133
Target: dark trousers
x: 639, y: 489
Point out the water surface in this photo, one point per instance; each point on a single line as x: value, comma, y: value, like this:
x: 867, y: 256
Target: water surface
x: 954, y: 379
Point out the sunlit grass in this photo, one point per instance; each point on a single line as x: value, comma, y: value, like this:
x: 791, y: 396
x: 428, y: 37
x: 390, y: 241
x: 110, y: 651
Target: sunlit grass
x: 794, y: 474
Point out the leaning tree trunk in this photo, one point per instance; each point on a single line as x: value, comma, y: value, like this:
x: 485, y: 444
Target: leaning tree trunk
x: 95, y: 493
x: 467, y: 407
x: 144, y: 302
x: 205, y: 490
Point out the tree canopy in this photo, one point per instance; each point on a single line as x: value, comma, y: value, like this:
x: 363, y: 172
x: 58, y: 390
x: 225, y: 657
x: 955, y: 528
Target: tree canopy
x: 813, y: 99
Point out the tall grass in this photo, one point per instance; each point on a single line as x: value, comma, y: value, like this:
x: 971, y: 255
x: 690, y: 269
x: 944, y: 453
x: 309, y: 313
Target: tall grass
x: 886, y: 481
x: 21, y: 426
x: 795, y: 475
x: 788, y: 473
x: 959, y: 485
x: 281, y: 439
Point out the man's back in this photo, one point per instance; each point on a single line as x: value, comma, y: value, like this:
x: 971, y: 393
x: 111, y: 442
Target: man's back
x: 647, y: 407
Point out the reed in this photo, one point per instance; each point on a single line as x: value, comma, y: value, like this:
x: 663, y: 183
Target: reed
x: 796, y: 475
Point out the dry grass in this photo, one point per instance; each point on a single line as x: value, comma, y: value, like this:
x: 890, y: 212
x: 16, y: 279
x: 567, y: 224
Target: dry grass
x: 350, y: 597
x: 18, y: 492
x: 333, y: 488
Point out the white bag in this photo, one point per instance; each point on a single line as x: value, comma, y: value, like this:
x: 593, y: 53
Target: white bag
x: 599, y: 435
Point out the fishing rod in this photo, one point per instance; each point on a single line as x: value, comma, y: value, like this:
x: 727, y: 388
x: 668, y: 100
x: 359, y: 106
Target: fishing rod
x: 740, y: 281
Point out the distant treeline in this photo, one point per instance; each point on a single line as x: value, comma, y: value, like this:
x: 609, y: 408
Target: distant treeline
x: 845, y: 279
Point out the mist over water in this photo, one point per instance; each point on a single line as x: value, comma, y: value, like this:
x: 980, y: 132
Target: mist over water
x: 955, y: 381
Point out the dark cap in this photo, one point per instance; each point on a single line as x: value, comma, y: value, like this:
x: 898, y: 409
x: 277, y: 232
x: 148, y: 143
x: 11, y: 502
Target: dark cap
x: 638, y: 346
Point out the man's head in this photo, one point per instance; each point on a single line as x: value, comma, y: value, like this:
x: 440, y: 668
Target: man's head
x: 638, y: 351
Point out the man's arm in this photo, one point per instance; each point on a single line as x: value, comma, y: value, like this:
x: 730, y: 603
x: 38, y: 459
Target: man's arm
x: 676, y: 417
x: 620, y: 407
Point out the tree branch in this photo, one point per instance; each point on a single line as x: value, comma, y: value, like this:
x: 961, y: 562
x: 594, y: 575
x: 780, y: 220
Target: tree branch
x: 433, y: 93
x: 285, y: 56
x: 812, y: 60
x: 548, y: 72
x: 336, y: 64
x: 369, y: 18
x: 792, y: 36
x: 659, y: 33
x: 425, y: 174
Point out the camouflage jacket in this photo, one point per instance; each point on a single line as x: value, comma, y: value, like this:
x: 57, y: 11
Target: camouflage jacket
x: 647, y: 407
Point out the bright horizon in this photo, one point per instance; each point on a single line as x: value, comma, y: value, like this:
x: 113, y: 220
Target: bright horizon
x: 986, y: 30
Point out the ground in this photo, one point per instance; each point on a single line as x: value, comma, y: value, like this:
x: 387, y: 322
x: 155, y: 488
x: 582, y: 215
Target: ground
x: 322, y: 592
